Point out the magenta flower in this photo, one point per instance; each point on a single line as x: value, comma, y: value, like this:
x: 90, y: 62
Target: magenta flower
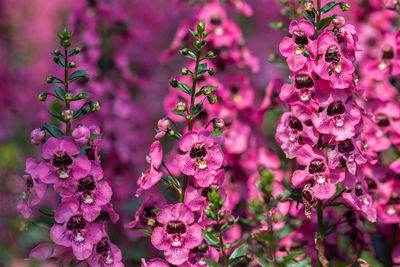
x: 290, y: 129
x: 333, y: 66
x: 178, y: 235
x: 105, y: 254
x: 38, y: 136
x: 152, y: 175
x: 317, y: 171
x: 154, y: 263
x: 75, y: 231
x: 203, y: 156
x: 197, y: 256
x: 81, y: 135
x: 347, y: 36
x: 340, y: 116
x: 164, y: 126
x: 360, y: 200
x: 34, y: 190
x: 63, y: 169
x: 294, y: 48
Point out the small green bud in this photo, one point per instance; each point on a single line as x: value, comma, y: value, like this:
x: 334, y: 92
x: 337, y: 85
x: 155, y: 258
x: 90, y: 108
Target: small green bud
x: 42, y: 97
x: 86, y: 77
x: 228, y: 246
x: 197, y: 44
x: 212, y: 98
x: 208, y: 212
x: 211, y: 71
x: 77, y: 50
x: 151, y: 222
x: 203, y: 247
x: 171, y: 133
x: 185, y: 51
x: 309, y: 6
x: 231, y: 221
x: 49, y: 79
x: 218, y: 125
x: 66, y: 43
x: 210, y: 230
x: 57, y: 52
x: 181, y: 105
x: 223, y: 214
x: 69, y: 96
x: 174, y: 82
x: 201, y: 26
x: 72, y: 64
x: 344, y: 6
x: 185, y: 71
x: 272, y: 58
x: 94, y: 105
x: 56, y: 59
x: 207, y: 91
x: 188, y: 117
x: 65, y: 33
x: 67, y: 114
x: 210, y: 54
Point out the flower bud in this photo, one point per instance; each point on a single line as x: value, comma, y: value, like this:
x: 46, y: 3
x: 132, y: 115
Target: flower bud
x: 185, y: 51
x: 94, y: 106
x: 203, y: 247
x: 173, y: 82
x: 272, y: 58
x: 231, y: 221
x: 223, y: 214
x: 228, y: 246
x: 338, y: 21
x: 218, y: 125
x: 210, y: 54
x: 86, y: 77
x: 344, y: 6
x: 56, y: 59
x: 66, y: 43
x: 49, y: 79
x: 211, y: 71
x: 72, y: 64
x: 197, y: 44
x: 42, y: 97
x: 57, y: 52
x: 65, y: 33
x: 212, y: 98
x: 67, y: 114
x: 81, y: 135
x: 164, y: 125
x: 208, y: 212
x: 201, y: 26
x: 69, y: 96
x: 309, y: 6
x: 185, y: 71
x: 151, y: 222
x: 77, y: 50
x: 171, y: 133
x: 210, y: 230
x: 181, y: 105
x: 38, y: 136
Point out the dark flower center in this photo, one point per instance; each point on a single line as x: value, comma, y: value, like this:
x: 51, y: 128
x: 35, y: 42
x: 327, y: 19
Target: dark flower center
x: 306, y: 194
x: 103, y: 247
x: 86, y: 184
x: 300, y: 38
x: 358, y: 190
x: 383, y: 120
x: 216, y: 20
x: 388, y: 53
x: 207, y: 190
x: 90, y: 152
x: 332, y: 54
x: 295, y: 124
x: 147, y: 214
x: 394, y: 199
x: 28, y: 182
x: 61, y: 160
x: 76, y: 223
x: 234, y: 89
x: 303, y: 81
x: 371, y: 183
x: 198, y: 151
x: 336, y: 108
x: 176, y: 227
x: 316, y: 166
x: 345, y: 146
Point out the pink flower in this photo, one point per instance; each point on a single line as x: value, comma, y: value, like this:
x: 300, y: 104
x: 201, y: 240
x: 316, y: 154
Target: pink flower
x: 360, y: 200
x: 38, y: 136
x: 63, y: 169
x: 164, y: 126
x: 75, y: 231
x: 154, y: 263
x: 81, y: 135
x: 347, y: 36
x: 198, y: 254
x: 105, y: 253
x: 294, y: 48
x: 202, y: 156
x: 152, y: 175
x: 178, y: 235
x: 34, y: 190
x: 322, y: 178
x: 333, y: 66
x: 237, y: 91
x: 340, y: 115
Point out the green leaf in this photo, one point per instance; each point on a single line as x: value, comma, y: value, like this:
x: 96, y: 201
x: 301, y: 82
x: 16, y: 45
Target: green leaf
x: 73, y: 52
x: 178, y: 112
x: 211, y: 262
x: 76, y: 75
x: 59, y: 91
x: 198, y: 108
x: 329, y: 6
x: 95, y: 136
x: 226, y: 226
x: 216, y: 133
x: 143, y: 230
x: 46, y: 211
x: 53, y: 130
x: 202, y: 68
x: 239, y: 252
x: 209, y: 87
x: 277, y: 25
x: 61, y: 63
x: 79, y: 113
x: 293, y: 254
x: 211, y: 239
x: 81, y: 96
x: 323, y: 23
x: 56, y: 115
x: 190, y: 55
x: 184, y: 87
x: 309, y: 17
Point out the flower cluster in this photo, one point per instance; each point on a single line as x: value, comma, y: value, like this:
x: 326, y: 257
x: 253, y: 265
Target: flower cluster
x: 70, y: 164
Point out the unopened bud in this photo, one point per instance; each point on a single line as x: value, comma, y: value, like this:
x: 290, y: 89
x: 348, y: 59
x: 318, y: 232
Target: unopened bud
x: 57, y: 52
x: 210, y: 54
x: 184, y: 71
x: 338, y: 21
x: 151, y: 222
x: 228, y: 246
x: 211, y: 71
x: 65, y: 33
x: 77, y: 50
x: 309, y: 6
x: 210, y: 230
x: 208, y: 212
x: 223, y: 214
x: 173, y: 82
x: 231, y: 221
x: 197, y: 44
x: 81, y: 135
x: 185, y: 51
x: 72, y: 64
x: 203, y: 247
x: 66, y: 43
x: 42, y: 97
x: 344, y: 6
x: 94, y: 106
x: 218, y: 125
x: 201, y: 26
x: 181, y: 105
x: 164, y: 125
x: 67, y: 114
x: 38, y: 136
x: 272, y: 58
x: 56, y: 59
x: 212, y: 98
x: 69, y: 96
x: 171, y: 133
x: 49, y: 79
x: 86, y: 77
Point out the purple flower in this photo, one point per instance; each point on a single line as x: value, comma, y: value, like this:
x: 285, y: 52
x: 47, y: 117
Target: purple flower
x: 202, y: 157
x: 152, y: 175
x: 360, y: 200
x: 81, y: 135
x: 105, y: 253
x: 63, y: 169
x: 75, y: 231
x: 178, y: 235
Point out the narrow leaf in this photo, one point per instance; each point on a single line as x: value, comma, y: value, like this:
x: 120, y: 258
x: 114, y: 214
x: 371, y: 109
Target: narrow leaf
x: 184, y: 87
x: 95, y: 136
x: 324, y: 23
x: 198, y: 108
x: 329, y: 6
x: 73, y: 51
x: 56, y: 115
x: 53, y: 130
x: 202, y: 68
x: 178, y: 112
x: 79, y: 113
x: 76, y: 75
x: 239, y: 252
x: 82, y: 96
x: 59, y: 91
x: 210, y: 238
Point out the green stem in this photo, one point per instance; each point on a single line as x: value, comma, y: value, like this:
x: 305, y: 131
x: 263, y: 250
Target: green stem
x: 68, y: 127
x: 221, y: 242
x: 318, y: 11
x: 320, y: 210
